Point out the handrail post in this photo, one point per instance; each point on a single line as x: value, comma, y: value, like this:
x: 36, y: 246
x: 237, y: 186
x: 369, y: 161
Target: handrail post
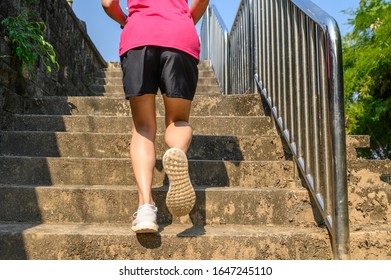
x: 208, y: 30
x: 226, y: 63
x: 342, y: 240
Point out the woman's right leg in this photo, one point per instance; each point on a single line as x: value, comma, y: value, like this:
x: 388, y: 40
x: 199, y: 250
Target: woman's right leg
x: 181, y: 195
x: 178, y: 130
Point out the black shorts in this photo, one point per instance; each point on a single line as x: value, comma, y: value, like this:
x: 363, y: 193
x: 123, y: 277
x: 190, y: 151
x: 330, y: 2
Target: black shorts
x: 146, y: 69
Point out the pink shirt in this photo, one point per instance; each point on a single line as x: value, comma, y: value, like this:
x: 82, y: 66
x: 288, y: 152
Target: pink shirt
x: 165, y: 23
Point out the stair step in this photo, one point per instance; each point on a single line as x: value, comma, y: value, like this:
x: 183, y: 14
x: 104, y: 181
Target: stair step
x: 370, y: 242
x: 369, y: 205
x: 179, y: 241
x: 206, y: 73
x: 237, y: 125
x: 203, y: 105
x: 369, y: 196
x: 116, y: 204
x: 93, y: 171
x: 104, y: 145
x: 368, y: 172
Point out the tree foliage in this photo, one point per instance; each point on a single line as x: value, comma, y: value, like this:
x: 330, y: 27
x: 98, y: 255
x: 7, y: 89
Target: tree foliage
x: 367, y: 74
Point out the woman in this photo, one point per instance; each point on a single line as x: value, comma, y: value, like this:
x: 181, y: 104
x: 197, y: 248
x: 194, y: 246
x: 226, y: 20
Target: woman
x: 159, y: 49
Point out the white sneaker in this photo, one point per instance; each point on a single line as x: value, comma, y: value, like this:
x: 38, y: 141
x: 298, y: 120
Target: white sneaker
x: 181, y: 197
x: 145, y: 219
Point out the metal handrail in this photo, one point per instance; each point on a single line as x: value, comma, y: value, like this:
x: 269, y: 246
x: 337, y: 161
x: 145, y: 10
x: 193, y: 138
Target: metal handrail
x: 215, y: 46
x: 293, y: 50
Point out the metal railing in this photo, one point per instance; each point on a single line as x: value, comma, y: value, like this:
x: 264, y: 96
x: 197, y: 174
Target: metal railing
x: 292, y: 49
x: 215, y: 46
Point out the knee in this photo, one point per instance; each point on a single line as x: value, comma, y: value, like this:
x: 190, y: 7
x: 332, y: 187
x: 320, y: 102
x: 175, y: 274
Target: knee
x: 146, y: 130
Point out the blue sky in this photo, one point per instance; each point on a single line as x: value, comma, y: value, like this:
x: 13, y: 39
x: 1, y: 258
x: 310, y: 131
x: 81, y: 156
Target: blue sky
x: 105, y: 33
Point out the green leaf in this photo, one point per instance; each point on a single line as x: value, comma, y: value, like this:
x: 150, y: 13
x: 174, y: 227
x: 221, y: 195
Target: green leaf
x: 26, y: 35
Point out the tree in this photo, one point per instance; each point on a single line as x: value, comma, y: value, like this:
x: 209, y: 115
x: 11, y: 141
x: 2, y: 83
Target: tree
x: 367, y: 74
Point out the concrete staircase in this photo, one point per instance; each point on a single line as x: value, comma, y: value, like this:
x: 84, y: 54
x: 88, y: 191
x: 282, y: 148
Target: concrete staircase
x: 67, y: 190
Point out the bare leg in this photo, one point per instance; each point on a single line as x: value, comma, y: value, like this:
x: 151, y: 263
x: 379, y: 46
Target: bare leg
x: 142, y: 147
x: 178, y: 130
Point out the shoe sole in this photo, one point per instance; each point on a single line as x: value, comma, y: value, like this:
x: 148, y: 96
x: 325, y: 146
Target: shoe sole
x: 145, y: 228
x: 181, y: 197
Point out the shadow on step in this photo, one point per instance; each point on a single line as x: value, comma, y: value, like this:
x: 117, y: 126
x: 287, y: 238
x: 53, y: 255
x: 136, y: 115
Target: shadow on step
x: 24, y: 170
x: 318, y: 219
x: 149, y: 241
x: 20, y: 208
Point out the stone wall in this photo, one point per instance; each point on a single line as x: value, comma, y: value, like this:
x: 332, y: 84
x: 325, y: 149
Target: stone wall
x: 79, y: 59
